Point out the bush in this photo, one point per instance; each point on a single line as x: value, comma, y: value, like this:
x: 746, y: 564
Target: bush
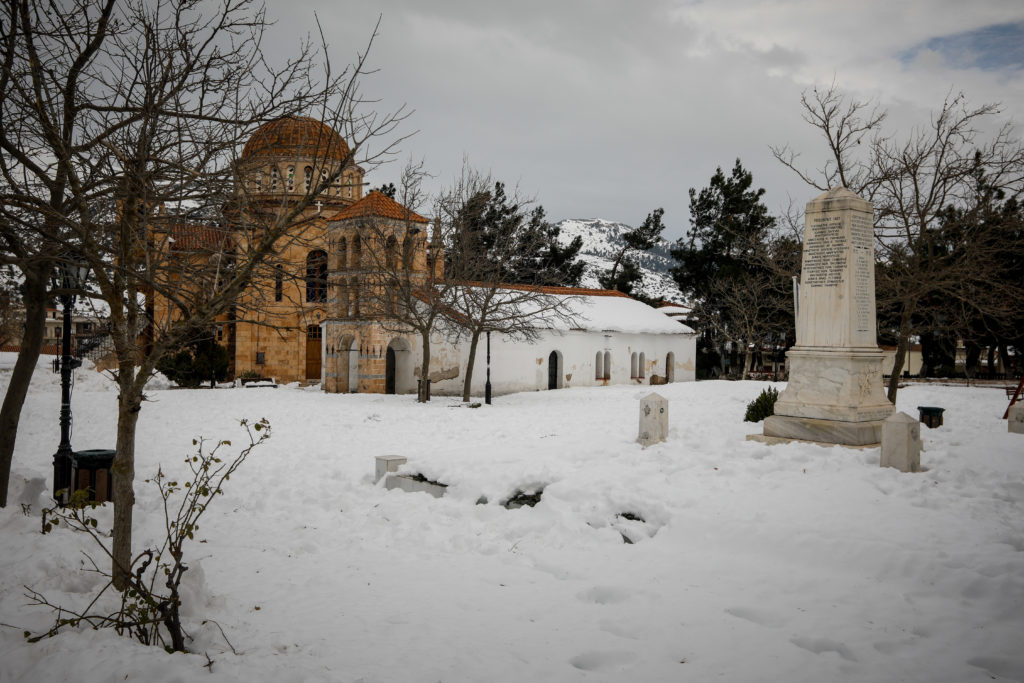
x: 196, y: 364
x: 763, y: 406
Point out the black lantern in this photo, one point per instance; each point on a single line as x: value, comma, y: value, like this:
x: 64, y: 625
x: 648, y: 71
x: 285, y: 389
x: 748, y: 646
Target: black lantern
x: 69, y: 278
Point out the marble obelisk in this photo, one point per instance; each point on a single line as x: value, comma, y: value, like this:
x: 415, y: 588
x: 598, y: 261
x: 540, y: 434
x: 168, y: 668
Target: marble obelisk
x: 835, y: 392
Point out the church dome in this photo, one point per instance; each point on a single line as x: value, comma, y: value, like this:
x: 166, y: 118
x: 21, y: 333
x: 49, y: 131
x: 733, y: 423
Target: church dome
x: 292, y: 136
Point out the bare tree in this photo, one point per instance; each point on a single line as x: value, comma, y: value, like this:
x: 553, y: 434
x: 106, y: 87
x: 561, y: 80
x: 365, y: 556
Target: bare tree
x: 495, y: 243
x: 914, y: 183
x: 157, y: 118
x: 403, y: 285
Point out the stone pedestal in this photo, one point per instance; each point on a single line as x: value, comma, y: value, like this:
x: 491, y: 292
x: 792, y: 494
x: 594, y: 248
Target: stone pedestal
x: 1015, y: 419
x: 653, y: 420
x: 384, y: 464
x: 835, y: 392
x: 901, y: 443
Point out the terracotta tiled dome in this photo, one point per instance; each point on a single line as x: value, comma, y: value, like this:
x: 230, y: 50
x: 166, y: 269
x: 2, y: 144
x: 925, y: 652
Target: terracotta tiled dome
x: 295, y: 136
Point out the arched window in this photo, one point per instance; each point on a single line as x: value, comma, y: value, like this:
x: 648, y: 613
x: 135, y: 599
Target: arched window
x: 316, y: 276
x: 342, y: 254
x: 633, y: 366
x: 308, y: 178
x: 278, y: 283
x: 642, y: 366
x: 354, y: 287
x: 291, y: 179
x: 357, y: 253
x: 274, y: 177
x: 408, y: 251
x: 345, y: 298
x: 607, y: 364
x: 599, y: 365
x: 258, y: 178
x: 670, y: 367
x: 391, y: 252
x: 323, y: 180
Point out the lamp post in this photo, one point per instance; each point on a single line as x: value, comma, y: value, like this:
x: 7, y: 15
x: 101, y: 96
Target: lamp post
x: 69, y: 277
x: 487, y: 386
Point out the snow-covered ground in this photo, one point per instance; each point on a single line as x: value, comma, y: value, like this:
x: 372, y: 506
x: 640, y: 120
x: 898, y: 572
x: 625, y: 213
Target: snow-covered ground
x: 755, y: 562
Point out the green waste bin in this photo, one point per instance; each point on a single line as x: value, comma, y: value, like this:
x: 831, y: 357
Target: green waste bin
x: 90, y: 470
x: 931, y: 416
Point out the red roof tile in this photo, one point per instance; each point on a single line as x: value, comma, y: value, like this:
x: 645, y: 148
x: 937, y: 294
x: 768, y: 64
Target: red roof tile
x: 296, y: 136
x: 191, y: 237
x: 379, y: 205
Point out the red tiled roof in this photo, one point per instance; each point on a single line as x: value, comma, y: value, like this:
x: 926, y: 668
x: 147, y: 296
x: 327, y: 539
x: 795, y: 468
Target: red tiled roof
x: 566, y: 291
x: 190, y: 237
x: 381, y: 206
x: 296, y: 136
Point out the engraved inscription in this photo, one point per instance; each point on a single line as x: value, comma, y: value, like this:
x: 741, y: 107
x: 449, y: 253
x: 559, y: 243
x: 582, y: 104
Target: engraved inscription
x: 824, y: 254
x: 861, y: 238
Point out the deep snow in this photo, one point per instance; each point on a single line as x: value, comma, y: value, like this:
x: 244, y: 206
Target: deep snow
x: 755, y: 563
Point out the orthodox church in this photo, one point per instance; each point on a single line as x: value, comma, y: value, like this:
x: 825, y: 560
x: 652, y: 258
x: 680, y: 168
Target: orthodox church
x: 308, y: 316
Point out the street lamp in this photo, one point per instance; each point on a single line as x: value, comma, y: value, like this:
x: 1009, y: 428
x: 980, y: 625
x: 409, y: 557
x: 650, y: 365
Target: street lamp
x: 68, y: 278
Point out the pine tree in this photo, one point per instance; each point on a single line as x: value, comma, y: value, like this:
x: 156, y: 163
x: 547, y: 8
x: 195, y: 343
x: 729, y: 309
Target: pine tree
x: 625, y: 271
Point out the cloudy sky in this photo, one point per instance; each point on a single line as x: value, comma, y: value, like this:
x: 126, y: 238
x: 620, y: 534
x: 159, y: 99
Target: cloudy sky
x: 604, y: 108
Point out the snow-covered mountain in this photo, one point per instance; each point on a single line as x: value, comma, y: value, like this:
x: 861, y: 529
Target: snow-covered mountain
x: 602, y: 241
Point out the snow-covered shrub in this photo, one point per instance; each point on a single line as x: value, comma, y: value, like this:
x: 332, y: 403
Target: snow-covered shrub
x: 763, y: 406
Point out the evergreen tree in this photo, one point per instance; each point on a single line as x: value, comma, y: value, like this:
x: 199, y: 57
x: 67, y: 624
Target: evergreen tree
x: 625, y: 271
x: 387, y: 189
x: 729, y: 223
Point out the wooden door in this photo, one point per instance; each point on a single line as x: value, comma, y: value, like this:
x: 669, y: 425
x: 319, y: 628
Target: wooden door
x: 553, y: 370
x: 313, y: 357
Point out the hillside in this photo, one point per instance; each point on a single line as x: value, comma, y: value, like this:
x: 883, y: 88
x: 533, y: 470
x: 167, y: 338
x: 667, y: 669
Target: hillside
x: 602, y: 240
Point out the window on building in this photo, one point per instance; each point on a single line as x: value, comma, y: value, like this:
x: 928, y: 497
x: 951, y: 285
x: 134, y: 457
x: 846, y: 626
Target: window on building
x: 308, y: 178
x: 391, y: 252
x: 261, y: 358
x: 642, y: 366
x: 607, y: 364
x: 599, y: 365
x: 274, y: 177
x: 278, y: 283
x: 357, y: 253
x: 342, y: 254
x: 633, y: 366
x: 408, y: 251
x: 291, y: 179
x: 316, y: 276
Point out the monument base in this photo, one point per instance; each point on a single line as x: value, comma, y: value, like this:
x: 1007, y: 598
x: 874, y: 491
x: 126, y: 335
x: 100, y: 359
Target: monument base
x: 824, y: 431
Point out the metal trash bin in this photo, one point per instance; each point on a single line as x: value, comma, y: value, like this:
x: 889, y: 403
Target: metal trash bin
x: 91, y: 470
x: 930, y: 416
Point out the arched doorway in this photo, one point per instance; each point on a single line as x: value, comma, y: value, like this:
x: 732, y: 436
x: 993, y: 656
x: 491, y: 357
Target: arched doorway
x: 670, y: 367
x: 398, y: 377
x: 314, y: 336
x: 554, y: 370
x: 389, y: 371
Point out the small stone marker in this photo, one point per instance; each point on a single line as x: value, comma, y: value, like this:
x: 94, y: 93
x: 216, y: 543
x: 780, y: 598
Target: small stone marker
x: 1015, y: 419
x: 387, y: 463
x: 901, y: 443
x: 653, y: 420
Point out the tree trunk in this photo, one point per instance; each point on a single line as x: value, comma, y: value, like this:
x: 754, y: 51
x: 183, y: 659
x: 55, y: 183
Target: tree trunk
x: 992, y: 360
x: 901, y: 355
x: 31, y: 344
x: 748, y: 360
x: 466, y: 385
x: 421, y: 394
x: 129, y: 403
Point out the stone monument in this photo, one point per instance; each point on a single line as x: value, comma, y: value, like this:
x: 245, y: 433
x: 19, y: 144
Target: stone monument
x: 653, y: 420
x: 835, y: 392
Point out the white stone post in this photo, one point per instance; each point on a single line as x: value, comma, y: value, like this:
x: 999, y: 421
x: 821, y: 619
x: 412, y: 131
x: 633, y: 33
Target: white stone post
x: 1015, y: 418
x: 653, y: 419
x: 901, y: 443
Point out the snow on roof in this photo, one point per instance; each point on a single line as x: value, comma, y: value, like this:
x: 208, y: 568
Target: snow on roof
x: 602, y: 310
x: 623, y: 314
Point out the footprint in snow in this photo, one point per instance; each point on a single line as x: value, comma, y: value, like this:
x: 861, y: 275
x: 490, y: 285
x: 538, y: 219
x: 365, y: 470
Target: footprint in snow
x: 598, y: 660
x: 820, y: 646
x: 604, y: 595
x: 757, y: 616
